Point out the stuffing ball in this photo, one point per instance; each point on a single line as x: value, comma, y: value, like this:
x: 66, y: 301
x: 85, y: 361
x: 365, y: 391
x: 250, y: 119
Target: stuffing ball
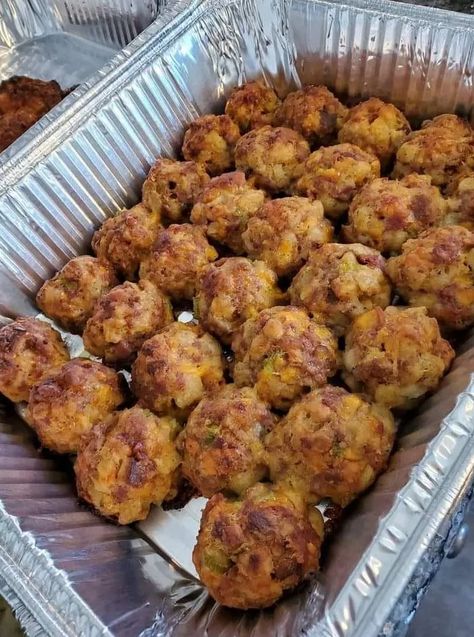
x: 442, y: 149
x: 335, y: 174
x: 285, y: 231
x: 210, y: 140
x: 252, y: 105
x: 231, y: 291
x: 251, y: 550
x: 128, y: 463
x: 224, y: 208
x: 222, y: 442
x: 339, y: 282
x: 271, y: 157
x: 64, y: 407
x: 332, y: 444
x: 175, y: 368
x: 178, y: 255
x: 29, y: 351
x: 314, y: 112
x: 386, y: 213
x: 396, y: 355
x: 172, y: 188
x: 70, y: 296
x: 377, y: 127
x: 25, y: 93
x: 461, y: 201
x: 283, y: 353
x: 449, y: 123
x: 126, y: 239
x: 436, y: 271
x: 124, y: 319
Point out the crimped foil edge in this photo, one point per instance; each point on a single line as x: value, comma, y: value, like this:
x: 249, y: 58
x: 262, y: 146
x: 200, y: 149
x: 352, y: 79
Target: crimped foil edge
x: 29, y: 576
x: 436, y: 485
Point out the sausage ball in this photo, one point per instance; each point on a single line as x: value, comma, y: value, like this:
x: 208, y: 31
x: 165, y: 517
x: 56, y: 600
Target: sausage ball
x: 332, y: 444
x: 126, y: 239
x: 283, y: 353
x: 335, y: 174
x: 179, y: 253
x: 172, y: 188
x: 461, y: 201
x: 386, y: 213
x: 124, y: 319
x: 29, y: 351
x: 231, y: 291
x: 175, y: 368
x: 314, y: 112
x: 252, y: 105
x: 64, y: 407
x: 396, y: 355
x: 377, y: 127
x: 436, y: 271
x: 442, y: 150
x: 449, y: 123
x: 285, y: 231
x: 128, y: 463
x: 251, y: 550
x: 271, y: 157
x: 224, y: 208
x: 210, y: 140
x: 70, y: 296
x: 339, y: 282
x: 222, y: 442
x: 13, y: 124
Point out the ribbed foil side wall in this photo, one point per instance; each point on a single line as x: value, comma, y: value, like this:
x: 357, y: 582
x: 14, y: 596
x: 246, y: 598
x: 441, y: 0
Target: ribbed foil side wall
x: 113, y: 23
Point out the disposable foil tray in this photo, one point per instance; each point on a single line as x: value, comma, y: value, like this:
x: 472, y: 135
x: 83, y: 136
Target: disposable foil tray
x: 68, y: 572
x: 67, y: 40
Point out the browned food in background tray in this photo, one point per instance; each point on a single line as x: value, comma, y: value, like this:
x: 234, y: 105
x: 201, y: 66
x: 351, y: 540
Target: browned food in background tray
x: 23, y: 101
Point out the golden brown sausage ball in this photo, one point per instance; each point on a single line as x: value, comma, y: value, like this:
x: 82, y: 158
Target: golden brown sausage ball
x: 224, y: 208
x: 179, y: 253
x: 271, y: 157
x: 332, y: 444
x: 449, y: 123
x: 442, y: 150
x: 339, y: 282
x: 124, y: 319
x: 283, y: 353
x: 222, y: 443
x: 252, y: 105
x: 172, y: 188
x: 335, y: 174
x: 175, y: 368
x: 29, y: 351
x: 210, y: 140
x: 436, y: 271
x: 70, y: 296
x: 128, y: 463
x: 396, y: 355
x: 124, y: 240
x: 284, y: 232
x: 251, y: 550
x: 314, y: 112
x: 461, y: 201
x: 385, y: 213
x: 377, y: 127
x: 64, y: 407
x: 231, y: 291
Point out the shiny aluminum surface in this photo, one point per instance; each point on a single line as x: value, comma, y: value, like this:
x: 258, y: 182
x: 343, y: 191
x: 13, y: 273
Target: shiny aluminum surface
x: 89, y: 161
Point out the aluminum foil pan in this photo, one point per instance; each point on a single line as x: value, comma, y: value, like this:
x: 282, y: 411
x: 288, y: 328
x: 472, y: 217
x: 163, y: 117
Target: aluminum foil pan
x: 67, y: 40
x: 74, y: 572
